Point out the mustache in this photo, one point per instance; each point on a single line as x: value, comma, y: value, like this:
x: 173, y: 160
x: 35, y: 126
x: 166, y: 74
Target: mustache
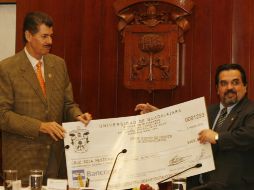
x: 230, y: 91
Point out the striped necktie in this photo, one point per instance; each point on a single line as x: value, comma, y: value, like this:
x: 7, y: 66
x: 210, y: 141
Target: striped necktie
x: 221, y: 119
x: 40, y: 78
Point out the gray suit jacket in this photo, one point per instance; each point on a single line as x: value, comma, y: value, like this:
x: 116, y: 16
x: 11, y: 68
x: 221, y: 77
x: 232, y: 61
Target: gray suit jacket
x: 23, y: 107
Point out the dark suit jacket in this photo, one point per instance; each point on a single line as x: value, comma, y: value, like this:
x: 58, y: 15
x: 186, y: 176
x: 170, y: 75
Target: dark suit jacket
x: 23, y: 107
x: 234, y: 151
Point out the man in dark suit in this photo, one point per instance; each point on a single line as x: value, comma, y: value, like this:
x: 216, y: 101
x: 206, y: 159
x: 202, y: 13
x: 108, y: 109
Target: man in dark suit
x: 231, y: 133
x: 35, y: 98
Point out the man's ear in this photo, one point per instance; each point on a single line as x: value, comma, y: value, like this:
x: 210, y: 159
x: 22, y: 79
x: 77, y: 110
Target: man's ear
x: 27, y: 35
x: 246, y: 88
x: 217, y: 89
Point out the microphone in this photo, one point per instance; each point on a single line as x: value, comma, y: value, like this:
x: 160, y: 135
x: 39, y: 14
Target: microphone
x: 123, y: 151
x: 196, y: 166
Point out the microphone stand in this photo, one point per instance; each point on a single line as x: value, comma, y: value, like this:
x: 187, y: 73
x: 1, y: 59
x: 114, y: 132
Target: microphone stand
x: 123, y: 151
x: 196, y: 166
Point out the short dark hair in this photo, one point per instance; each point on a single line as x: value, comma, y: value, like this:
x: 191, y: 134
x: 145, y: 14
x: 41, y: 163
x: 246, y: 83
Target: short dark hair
x: 35, y: 19
x: 227, y: 67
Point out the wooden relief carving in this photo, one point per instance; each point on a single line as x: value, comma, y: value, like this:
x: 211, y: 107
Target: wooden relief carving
x: 152, y: 31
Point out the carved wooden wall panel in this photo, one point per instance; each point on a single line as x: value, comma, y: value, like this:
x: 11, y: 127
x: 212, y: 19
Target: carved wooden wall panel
x: 151, y: 57
x: 152, y: 32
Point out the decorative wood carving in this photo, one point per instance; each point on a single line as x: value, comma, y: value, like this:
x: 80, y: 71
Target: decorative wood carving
x: 152, y: 31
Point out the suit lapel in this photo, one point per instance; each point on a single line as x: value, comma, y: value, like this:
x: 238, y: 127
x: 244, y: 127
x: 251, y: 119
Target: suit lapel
x: 229, y: 121
x: 49, y: 76
x: 233, y: 115
x: 29, y: 75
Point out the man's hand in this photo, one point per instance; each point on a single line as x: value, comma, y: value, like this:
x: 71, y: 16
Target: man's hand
x: 85, y: 118
x: 55, y: 130
x: 145, y: 108
x: 207, y: 135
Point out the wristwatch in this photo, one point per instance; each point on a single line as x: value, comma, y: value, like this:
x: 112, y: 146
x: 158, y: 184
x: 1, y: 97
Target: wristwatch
x: 216, y: 137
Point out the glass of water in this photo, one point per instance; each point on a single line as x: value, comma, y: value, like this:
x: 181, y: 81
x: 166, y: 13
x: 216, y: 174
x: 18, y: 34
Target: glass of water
x: 179, y: 184
x: 35, y: 179
x: 9, y: 177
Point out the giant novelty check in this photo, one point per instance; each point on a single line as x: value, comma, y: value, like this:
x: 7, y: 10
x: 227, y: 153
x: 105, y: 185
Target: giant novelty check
x: 159, y: 144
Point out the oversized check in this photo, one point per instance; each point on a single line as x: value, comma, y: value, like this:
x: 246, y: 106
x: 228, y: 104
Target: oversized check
x: 159, y: 144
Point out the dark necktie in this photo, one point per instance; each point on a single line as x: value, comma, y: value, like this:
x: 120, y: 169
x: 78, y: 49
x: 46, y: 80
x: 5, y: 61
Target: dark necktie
x: 221, y: 119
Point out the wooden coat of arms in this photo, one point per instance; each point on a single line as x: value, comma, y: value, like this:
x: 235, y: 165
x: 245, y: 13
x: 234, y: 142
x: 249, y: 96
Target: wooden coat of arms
x: 152, y: 32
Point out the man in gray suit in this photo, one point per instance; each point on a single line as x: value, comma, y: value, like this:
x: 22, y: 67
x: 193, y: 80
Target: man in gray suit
x: 231, y: 133
x: 34, y: 101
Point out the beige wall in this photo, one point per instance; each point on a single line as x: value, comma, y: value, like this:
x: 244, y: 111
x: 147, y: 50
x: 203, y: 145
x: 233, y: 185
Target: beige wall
x: 8, y: 30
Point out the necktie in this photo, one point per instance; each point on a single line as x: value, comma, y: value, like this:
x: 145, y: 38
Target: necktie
x: 221, y: 119
x: 40, y: 78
